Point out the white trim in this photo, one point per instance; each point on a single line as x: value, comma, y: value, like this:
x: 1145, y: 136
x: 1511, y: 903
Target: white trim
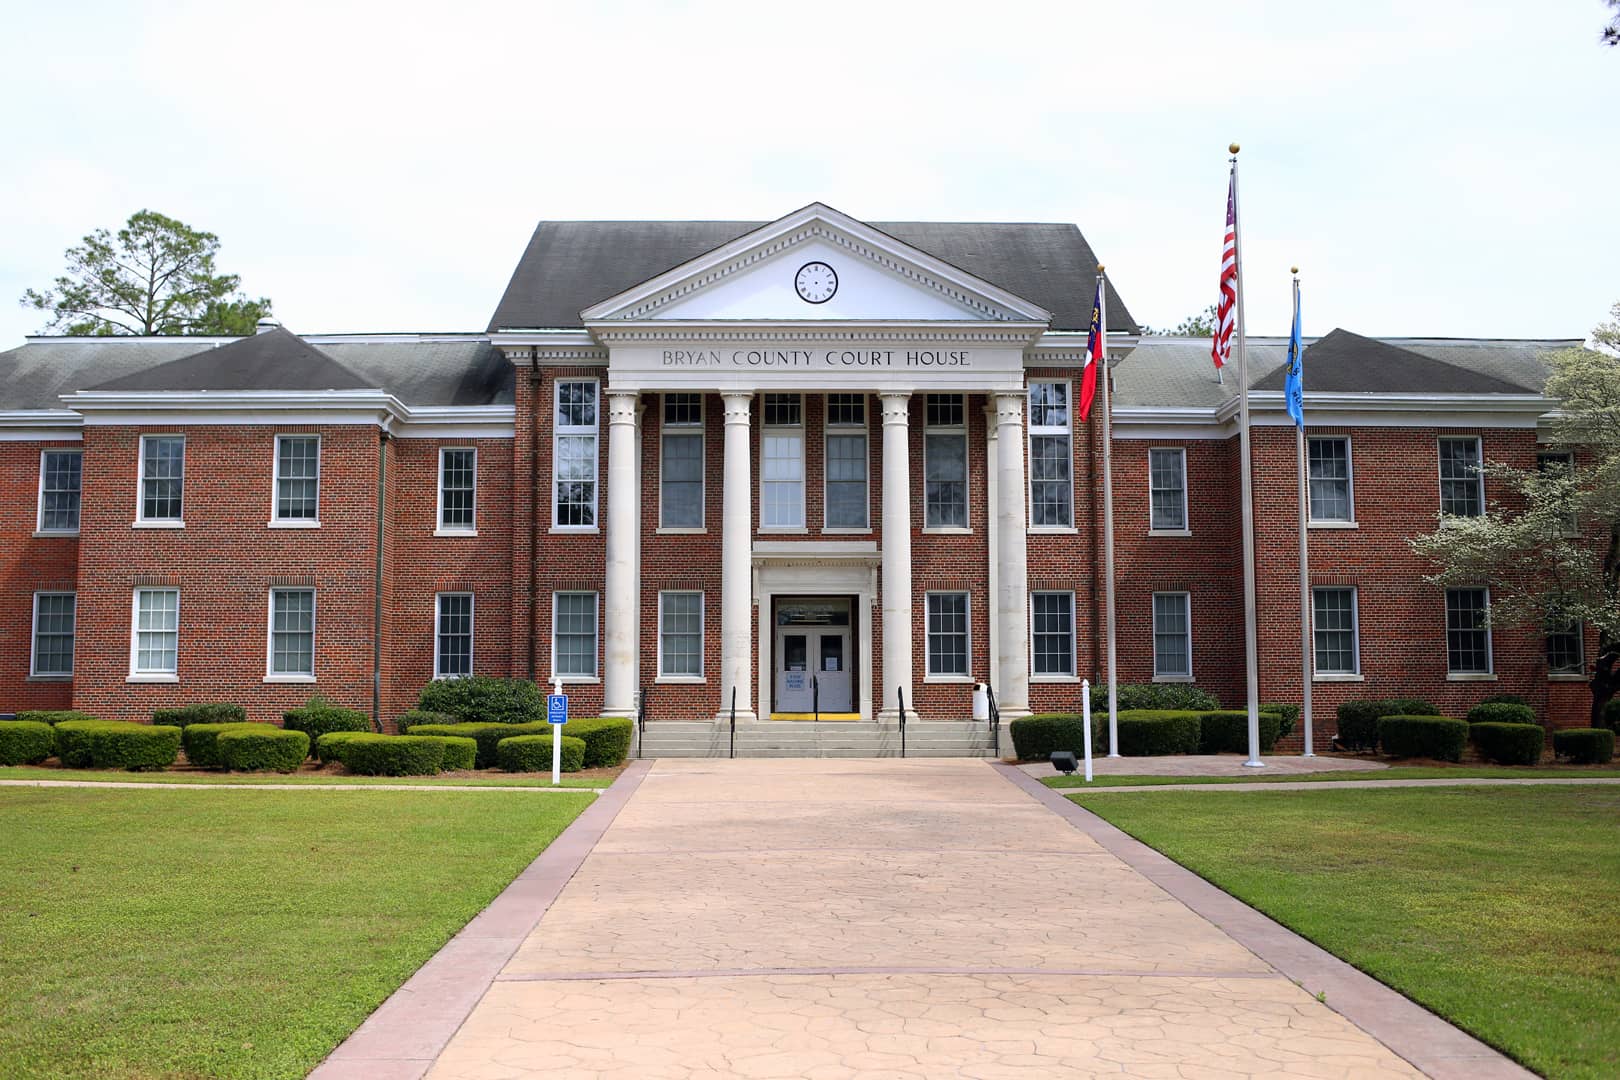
x: 1186, y: 610
x: 828, y: 431
x: 1318, y: 674
x: 39, y: 506
x: 1030, y: 431
x: 1479, y: 474
x: 1349, y: 483
x: 141, y: 520
x: 596, y: 625
x: 701, y: 430
x: 33, y: 637
x: 1490, y: 644
x: 765, y: 431
x: 1185, y: 528
x: 138, y: 674
x: 1073, y: 674
x: 276, y: 520
x: 440, y: 528
x: 929, y: 674
x: 270, y: 673
x: 686, y: 677
x: 578, y: 431
x: 1169, y: 532
x: 965, y: 529
x: 472, y: 632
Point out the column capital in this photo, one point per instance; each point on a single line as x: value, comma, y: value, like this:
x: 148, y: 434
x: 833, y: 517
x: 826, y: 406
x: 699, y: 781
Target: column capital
x: 622, y: 405
x: 737, y: 404
x: 896, y: 406
x: 1009, y: 406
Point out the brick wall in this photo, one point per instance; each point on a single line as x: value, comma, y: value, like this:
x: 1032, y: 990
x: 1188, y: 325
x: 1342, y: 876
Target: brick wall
x: 28, y: 564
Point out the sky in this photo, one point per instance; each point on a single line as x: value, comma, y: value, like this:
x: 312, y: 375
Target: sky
x: 1435, y: 168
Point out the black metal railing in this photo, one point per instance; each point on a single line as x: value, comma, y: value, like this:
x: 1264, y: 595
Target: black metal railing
x: 815, y: 699
x: 733, y: 721
x: 900, y: 693
x: 995, y: 720
x: 641, y: 724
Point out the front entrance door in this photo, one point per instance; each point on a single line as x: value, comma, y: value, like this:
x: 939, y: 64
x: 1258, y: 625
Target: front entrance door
x: 813, y: 657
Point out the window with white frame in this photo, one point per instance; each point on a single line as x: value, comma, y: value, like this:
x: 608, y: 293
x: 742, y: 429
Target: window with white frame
x: 297, y: 479
x: 575, y: 455
x: 292, y: 632
x: 1328, y: 462
x: 945, y: 462
x: 1561, y: 462
x: 163, y: 470
x: 54, y: 617
x: 1051, y: 459
x: 948, y: 634
x: 155, y: 637
x: 1052, y: 618
x: 1335, y: 629
x: 453, y: 636
x: 845, y: 495
x: 782, y: 467
x: 680, y: 481
x: 680, y: 635
x: 61, y: 476
x: 1566, y: 653
x: 458, y: 488
x: 1167, y: 488
x: 1172, y: 635
x: 573, y: 635
x: 1462, y: 484
x: 1468, y: 631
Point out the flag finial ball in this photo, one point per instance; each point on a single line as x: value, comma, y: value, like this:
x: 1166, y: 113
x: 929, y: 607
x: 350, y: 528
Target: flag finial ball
x: 1293, y: 269
x: 1100, y: 268
x: 1234, y: 148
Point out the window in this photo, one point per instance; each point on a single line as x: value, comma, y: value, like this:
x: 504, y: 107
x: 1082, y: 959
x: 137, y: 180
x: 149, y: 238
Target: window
x: 452, y: 653
x: 458, y: 489
x: 1462, y: 485
x: 1468, y: 634
x: 61, y: 474
x: 846, y: 498
x: 680, y: 492
x: 1051, y: 487
x: 155, y: 640
x: 1053, y: 617
x: 1167, y: 489
x: 948, y: 634
x: 1565, y: 649
x: 575, y: 456
x: 1561, y: 461
x: 573, y: 635
x: 782, y: 473
x: 1334, y: 623
x: 680, y: 635
x: 54, y: 618
x: 298, y: 470
x: 1172, y: 635
x: 163, y: 468
x: 1328, y: 462
x: 945, y: 462
x: 292, y: 632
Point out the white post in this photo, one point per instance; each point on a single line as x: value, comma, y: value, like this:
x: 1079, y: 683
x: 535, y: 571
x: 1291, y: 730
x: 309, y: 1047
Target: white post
x: 1108, y: 532
x: 620, y: 617
x: 1250, y: 630
x: 896, y: 554
x: 736, y: 562
x: 1307, y: 612
x: 1085, y: 725
x: 1012, y: 555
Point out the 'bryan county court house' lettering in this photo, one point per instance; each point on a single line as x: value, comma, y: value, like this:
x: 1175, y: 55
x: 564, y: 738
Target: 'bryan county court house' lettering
x: 831, y: 358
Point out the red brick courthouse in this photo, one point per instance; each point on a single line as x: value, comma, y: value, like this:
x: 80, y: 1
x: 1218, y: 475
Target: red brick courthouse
x: 817, y: 462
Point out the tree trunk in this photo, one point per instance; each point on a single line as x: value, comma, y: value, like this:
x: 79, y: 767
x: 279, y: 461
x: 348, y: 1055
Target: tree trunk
x: 1605, y: 677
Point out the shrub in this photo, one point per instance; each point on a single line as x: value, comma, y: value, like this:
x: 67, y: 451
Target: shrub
x: 410, y: 719
x: 1152, y: 732
x: 487, y: 736
x: 483, y: 699
x: 1501, y: 712
x: 1136, y: 696
x: 1437, y: 737
x: 114, y: 744
x: 1507, y: 744
x: 261, y: 748
x: 25, y: 742
x: 532, y: 753
x: 1287, y: 716
x: 1358, y: 720
x: 1036, y: 737
x: 201, y: 742
x: 392, y: 755
x: 606, y: 738
x: 459, y: 753
x: 186, y: 715
x: 1609, y: 718
x: 1504, y: 699
x: 329, y: 747
x: 1227, y: 731
x: 1585, y: 746
x: 51, y: 716
x: 321, y: 716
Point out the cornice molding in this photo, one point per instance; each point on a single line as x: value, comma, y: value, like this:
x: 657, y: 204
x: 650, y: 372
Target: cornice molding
x: 1018, y: 334
x: 99, y: 408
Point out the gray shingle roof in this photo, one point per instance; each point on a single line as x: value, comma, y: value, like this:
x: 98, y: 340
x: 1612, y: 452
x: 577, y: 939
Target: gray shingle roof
x: 274, y: 360
x: 467, y: 372
x: 34, y: 375
x: 570, y: 265
x: 1342, y: 362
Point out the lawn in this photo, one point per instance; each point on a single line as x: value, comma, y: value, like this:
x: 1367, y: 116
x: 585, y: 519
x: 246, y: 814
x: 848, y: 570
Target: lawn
x: 242, y: 934
x: 1396, y: 772
x: 1494, y: 907
x: 599, y: 778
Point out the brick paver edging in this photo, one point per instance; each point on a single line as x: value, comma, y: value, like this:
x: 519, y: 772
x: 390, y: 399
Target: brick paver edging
x: 1330, y: 785
x: 1431, y: 1044
x: 408, y: 1031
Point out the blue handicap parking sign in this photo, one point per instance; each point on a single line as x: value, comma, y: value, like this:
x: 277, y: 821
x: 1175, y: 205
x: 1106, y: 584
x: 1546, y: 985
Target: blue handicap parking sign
x: 557, y: 708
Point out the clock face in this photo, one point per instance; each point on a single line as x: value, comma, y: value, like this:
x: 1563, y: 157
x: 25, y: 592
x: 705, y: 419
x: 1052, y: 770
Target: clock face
x: 816, y: 282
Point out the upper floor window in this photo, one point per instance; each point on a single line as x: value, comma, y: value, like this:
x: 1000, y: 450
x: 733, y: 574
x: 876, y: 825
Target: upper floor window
x: 61, y: 474
x: 54, y: 618
x: 575, y: 455
x: 163, y: 470
x: 1468, y: 632
x: 846, y: 498
x: 458, y: 489
x: 1051, y: 458
x: 453, y: 635
x: 1329, y: 465
x: 1167, y: 489
x: 1462, y: 484
x: 292, y: 633
x: 155, y: 636
x: 945, y: 462
x: 298, y: 470
x: 782, y: 468
x: 1172, y: 635
x: 1560, y: 461
x: 680, y: 490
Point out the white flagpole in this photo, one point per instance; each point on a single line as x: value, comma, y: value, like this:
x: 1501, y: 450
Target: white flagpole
x: 1250, y: 630
x: 1108, y: 520
x: 1306, y: 609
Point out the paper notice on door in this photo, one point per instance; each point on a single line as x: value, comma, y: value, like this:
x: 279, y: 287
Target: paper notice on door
x: 829, y: 663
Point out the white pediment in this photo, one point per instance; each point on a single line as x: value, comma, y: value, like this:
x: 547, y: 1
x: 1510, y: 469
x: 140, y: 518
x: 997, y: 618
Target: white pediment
x: 754, y: 279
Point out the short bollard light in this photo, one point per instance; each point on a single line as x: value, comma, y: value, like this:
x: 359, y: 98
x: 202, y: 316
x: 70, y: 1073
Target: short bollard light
x: 1064, y: 761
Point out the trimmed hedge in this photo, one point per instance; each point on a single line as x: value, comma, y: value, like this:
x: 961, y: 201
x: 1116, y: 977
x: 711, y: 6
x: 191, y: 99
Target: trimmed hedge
x: 186, y: 715
x: 459, y: 753
x: 392, y: 755
x: 1501, y: 712
x: 532, y: 753
x: 606, y: 739
x: 201, y: 742
x: 1584, y: 746
x: 51, y: 716
x: 1288, y: 715
x: 1358, y: 720
x: 487, y: 736
x: 329, y: 747
x: 1154, y: 732
x: 1227, y: 731
x: 1037, y: 737
x: 267, y: 749
x: 1507, y: 744
x: 413, y: 717
x: 25, y: 742
x: 114, y: 744
x: 1157, y: 696
x: 1504, y: 699
x: 321, y: 716
x: 1438, y: 737
x: 483, y: 699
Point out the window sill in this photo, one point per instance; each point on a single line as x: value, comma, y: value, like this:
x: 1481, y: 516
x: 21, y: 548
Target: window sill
x: 69, y: 678
x: 573, y: 530
x: 1172, y: 678
x: 1332, y: 525
x: 1053, y: 530
x: 1327, y: 677
x: 1470, y: 676
x: 157, y: 524
x: 576, y: 680
x: 679, y: 530
x: 152, y: 677
x: 782, y: 530
x: 680, y: 680
x: 1169, y: 532
x: 1050, y: 679
x: 840, y: 531
x: 956, y: 680
x: 455, y: 532
x: 947, y: 530
x: 289, y: 678
x: 42, y: 533
x: 1570, y: 677
x: 292, y: 523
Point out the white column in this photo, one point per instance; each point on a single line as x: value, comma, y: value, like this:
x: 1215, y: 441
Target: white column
x: 620, y: 618
x: 1012, y: 578
x: 736, y: 564
x: 992, y: 538
x: 896, y: 556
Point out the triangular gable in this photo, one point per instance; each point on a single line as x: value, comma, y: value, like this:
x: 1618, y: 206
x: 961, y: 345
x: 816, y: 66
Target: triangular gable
x: 274, y: 360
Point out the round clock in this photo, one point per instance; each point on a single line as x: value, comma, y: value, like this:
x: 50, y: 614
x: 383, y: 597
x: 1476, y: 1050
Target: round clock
x: 816, y: 282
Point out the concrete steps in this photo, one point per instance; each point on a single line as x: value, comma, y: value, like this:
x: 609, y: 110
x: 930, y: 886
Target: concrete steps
x: 807, y: 739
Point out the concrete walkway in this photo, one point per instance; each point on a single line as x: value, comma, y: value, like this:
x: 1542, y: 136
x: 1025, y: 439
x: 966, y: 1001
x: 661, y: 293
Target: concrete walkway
x: 1213, y: 765
x: 844, y: 919
x: 1335, y: 785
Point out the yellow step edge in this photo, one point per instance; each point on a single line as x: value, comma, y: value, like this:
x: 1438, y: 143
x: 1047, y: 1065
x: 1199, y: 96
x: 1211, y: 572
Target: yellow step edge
x: 813, y: 716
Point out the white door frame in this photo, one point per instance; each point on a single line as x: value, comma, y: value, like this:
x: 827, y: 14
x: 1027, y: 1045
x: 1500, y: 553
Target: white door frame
x: 815, y: 568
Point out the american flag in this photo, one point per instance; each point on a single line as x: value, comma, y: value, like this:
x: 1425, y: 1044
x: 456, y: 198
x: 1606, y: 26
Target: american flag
x: 1226, y: 310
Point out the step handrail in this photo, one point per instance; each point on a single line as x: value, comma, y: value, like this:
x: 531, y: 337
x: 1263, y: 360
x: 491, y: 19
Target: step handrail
x: 815, y: 698
x: 995, y: 720
x: 641, y: 724
x: 733, y: 721
x: 900, y: 693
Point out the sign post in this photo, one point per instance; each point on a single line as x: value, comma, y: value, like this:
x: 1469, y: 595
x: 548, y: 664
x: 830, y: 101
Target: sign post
x: 556, y: 716
x: 1085, y: 723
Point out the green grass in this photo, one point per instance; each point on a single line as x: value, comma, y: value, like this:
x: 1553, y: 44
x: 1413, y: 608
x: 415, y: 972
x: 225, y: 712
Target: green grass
x: 1396, y: 772
x: 1494, y: 907
x: 34, y: 772
x: 186, y: 935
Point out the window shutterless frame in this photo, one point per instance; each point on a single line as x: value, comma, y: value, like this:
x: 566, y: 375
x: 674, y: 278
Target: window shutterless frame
x: 440, y: 636
x: 1319, y: 627
x: 1460, y: 640
x: 277, y: 519
x: 665, y: 675
x: 1037, y: 632
x: 55, y: 632
x: 1156, y: 524
x: 935, y: 612
x: 1566, y: 651
x: 845, y: 429
x: 170, y: 487
x: 776, y: 512
x: 594, y: 674
x: 1546, y: 460
x: 1462, y: 483
x: 569, y: 427
x: 1054, y: 514
x: 1183, y: 608
x: 1311, y: 481
x: 293, y: 675
x: 155, y: 628
x: 945, y: 424
x: 47, y: 487
x: 682, y: 421
x: 454, y: 465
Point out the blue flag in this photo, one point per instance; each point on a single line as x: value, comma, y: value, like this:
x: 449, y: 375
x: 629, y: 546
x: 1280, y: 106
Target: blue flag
x: 1294, y: 386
